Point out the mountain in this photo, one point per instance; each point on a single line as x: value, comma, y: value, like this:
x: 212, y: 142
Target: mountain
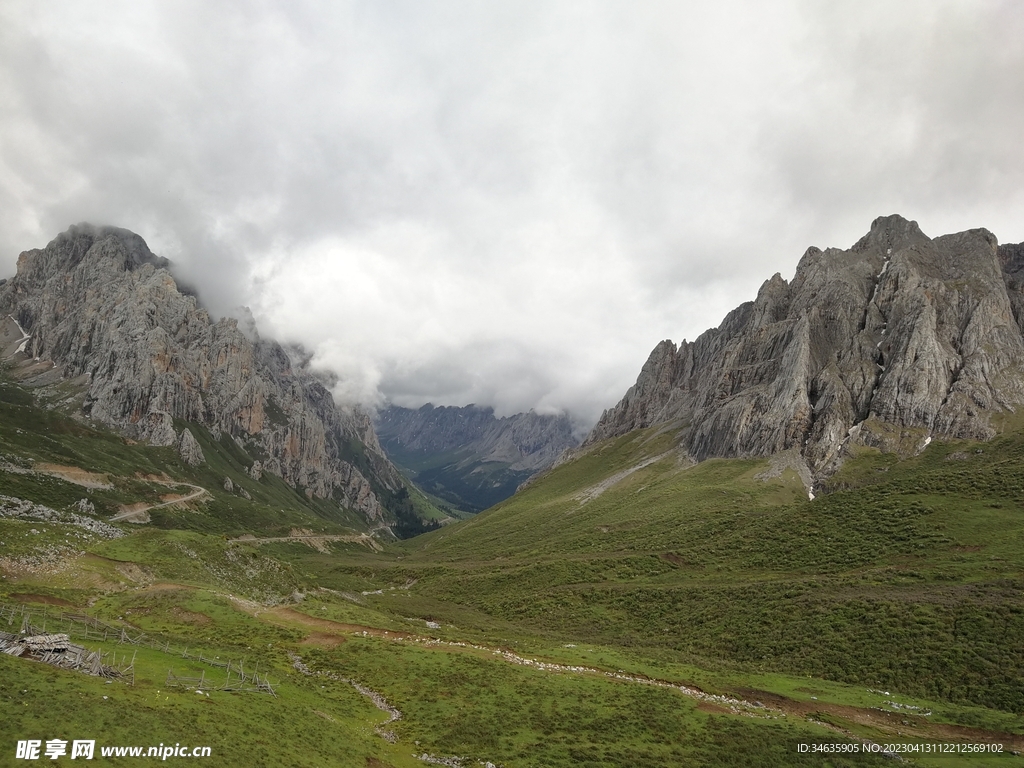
x: 895, y: 341
x: 887, y: 378
x: 467, y: 456
x: 98, y: 311
x: 629, y: 606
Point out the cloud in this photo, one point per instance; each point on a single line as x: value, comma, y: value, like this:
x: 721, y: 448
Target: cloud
x: 507, y: 204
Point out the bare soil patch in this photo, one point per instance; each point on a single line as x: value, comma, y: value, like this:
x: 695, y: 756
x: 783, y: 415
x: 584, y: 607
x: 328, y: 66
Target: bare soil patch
x: 134, y: 572
x: 899, y: 724
x: 323, y: 640
x: 31, y: 597
x: 328, y: 626
x: 132, y: 513
x: 75, y: 475
x: 191, y: 617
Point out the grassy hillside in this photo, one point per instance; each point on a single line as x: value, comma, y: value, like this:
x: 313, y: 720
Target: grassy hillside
x: 468, y: 485
x: 910, y: 577
x: 626, y: 609
x: 34, y: 430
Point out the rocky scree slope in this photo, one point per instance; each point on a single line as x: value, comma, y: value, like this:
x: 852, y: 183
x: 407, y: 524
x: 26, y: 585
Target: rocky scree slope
x: 898, y: 339
x: 99, y: 305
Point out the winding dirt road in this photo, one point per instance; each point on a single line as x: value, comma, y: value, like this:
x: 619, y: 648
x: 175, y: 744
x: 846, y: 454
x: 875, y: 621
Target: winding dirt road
x: 137, y: 511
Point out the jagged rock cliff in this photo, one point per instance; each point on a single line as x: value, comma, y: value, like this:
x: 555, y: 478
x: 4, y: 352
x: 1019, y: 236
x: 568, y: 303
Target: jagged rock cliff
x: 524, y: 441
x: 894, y: 341
x: 467, y: 455
x: 98, y: 304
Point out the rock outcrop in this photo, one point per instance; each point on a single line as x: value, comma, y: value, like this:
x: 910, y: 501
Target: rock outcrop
x: 894, y: 341
x: 99, y: 304
x: 189, y: 449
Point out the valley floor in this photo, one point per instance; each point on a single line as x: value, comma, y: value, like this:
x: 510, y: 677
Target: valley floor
x: 362, y: 689
x: 627, y: 609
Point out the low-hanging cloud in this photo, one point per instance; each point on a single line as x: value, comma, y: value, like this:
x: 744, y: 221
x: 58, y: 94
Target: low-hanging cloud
x: 506, y: 204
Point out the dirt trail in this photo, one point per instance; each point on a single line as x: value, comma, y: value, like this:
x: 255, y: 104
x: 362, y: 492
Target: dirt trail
x: 316, y: 540
x: 327, y: 626
x: 135, y: 512
x: 898, y: 726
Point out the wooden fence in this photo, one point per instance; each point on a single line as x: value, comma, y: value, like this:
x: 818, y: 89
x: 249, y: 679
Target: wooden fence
x: 35, y: 622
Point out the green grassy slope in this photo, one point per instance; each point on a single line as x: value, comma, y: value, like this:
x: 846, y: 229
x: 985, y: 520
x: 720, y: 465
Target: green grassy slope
x: 456, y: 479
x: 33, y: 431
x: 910, y: 578
x: 629, y: 570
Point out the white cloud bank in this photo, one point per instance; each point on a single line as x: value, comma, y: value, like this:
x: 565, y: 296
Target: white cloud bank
x: 503, y: 203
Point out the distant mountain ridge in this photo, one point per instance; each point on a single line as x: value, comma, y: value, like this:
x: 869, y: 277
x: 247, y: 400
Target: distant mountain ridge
x: 468, y: 456
x: 526, y: 441
x: 99, y: 309
x: 887, y: 344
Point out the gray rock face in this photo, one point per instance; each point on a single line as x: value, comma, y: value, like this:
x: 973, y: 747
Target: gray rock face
x: 525, y: 441
x: 897, y: 339
x: 97, y: 302
x: 467, y: 456
x: 160, y: 428
x: 189, y: 450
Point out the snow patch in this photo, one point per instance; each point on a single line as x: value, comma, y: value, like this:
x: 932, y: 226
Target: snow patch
x: 24, y: 336
x: 19, y: 325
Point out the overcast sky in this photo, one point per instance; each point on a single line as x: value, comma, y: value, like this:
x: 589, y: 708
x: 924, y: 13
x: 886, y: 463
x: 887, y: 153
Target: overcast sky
x: 507, y: 203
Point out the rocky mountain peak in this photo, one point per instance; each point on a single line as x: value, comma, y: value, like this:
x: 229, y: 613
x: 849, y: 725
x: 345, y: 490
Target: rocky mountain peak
x: 96, y: 303
x: 895, y: 340
x: 891, y: 232
x: 116, y: 249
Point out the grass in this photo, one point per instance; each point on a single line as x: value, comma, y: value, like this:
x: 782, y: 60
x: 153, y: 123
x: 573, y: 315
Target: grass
x: 485, y: 709
x: 305, y: 726
x: 183, y: 557
x: 909, y: 578
x: 472, y: 706
x: 455, y: 478
x: 901, y: 584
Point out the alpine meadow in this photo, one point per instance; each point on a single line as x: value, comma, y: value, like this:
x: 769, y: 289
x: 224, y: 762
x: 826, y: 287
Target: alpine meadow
x: 560, y: 384
x: 802, y: 528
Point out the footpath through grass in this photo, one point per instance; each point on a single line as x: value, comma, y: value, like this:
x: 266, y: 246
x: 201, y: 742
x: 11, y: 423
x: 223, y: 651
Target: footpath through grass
x: 888, y: 609
x: 910, y: 577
